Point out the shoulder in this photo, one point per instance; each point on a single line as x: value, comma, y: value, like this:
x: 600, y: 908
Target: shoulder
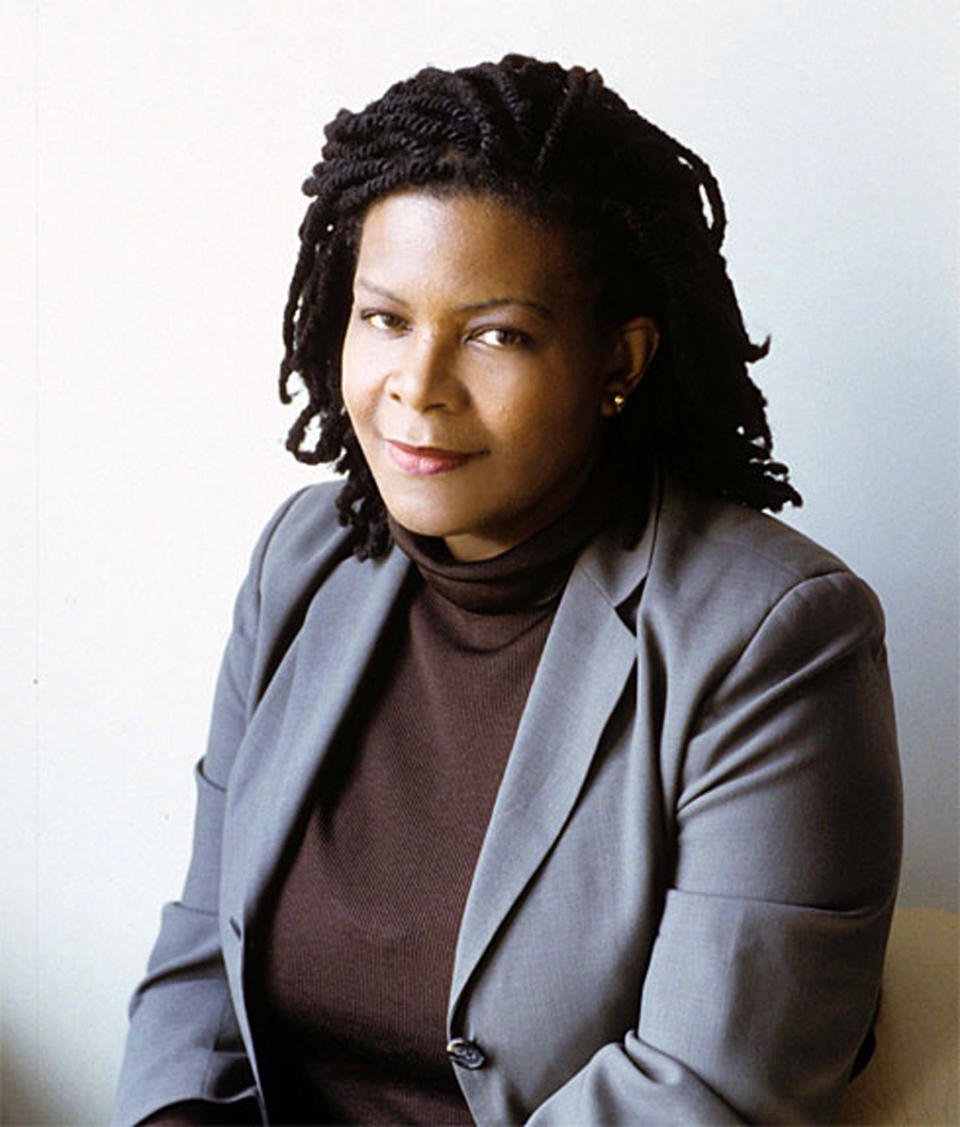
x: 717, y: 568
x: 697, y: 530
x: 304, y: 532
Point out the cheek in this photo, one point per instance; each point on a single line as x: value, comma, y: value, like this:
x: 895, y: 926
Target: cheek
x: 559, y: 408
x: 355, y: 383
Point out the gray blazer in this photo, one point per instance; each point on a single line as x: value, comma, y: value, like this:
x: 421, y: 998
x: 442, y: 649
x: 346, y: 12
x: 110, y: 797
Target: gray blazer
x: 680, y: 908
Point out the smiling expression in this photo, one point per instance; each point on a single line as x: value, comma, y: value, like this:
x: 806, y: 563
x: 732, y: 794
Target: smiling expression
x: 474, y: 371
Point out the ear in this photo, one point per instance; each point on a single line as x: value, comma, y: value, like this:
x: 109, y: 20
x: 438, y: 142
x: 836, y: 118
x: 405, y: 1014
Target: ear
x: 633, y: 346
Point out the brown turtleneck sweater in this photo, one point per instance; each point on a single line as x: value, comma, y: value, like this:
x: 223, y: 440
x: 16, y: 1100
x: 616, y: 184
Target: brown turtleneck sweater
x: 349, y: 974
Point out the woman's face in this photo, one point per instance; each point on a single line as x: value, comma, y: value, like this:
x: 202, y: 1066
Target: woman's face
x: 474, y: 371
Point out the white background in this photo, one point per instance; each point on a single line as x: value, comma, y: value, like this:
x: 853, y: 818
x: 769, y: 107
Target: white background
x: 149, y: 199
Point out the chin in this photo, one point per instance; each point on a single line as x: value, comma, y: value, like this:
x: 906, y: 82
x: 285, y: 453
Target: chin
x: 423, y: 519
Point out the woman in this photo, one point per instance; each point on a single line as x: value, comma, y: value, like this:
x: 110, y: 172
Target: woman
x: 548, y: 780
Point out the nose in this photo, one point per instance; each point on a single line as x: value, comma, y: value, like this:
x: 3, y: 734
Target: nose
x: 425, y: 378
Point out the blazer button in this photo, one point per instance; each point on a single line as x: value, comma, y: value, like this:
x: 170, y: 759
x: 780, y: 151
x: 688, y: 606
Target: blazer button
x: 465, y: 1053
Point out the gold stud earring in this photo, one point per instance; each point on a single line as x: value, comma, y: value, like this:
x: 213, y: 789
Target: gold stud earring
x: 619, y: 401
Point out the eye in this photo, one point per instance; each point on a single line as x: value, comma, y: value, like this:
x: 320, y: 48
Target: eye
x: 383, y: 321
x: 503, y: 337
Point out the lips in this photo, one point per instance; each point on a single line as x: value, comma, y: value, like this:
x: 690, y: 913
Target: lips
x: 425, y: 461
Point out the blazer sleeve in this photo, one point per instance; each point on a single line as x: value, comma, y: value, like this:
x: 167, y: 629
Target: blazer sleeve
x: 184, y: 1042
x: 764, y: 976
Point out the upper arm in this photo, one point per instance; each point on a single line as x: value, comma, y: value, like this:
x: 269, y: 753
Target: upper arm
x: 791, y: 785
x: 184, y: 1040
x: 764, y: 974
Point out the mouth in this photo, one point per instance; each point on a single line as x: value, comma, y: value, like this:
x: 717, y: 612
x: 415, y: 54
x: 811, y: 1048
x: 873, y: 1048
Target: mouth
x: 425, y: 461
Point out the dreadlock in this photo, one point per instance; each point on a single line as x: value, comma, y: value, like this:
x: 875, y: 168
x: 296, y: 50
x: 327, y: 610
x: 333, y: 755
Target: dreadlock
x: 564, y: 147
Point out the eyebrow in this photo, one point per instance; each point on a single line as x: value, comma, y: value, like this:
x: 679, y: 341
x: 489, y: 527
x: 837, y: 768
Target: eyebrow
x: 474, y: 307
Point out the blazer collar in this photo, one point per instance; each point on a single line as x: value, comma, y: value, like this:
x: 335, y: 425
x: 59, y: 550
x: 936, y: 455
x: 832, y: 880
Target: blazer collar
x: 616, y: 570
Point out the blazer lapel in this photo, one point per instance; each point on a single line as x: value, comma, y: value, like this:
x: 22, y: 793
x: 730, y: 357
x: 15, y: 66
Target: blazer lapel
x: 582, y: 672
x: 301, y: 712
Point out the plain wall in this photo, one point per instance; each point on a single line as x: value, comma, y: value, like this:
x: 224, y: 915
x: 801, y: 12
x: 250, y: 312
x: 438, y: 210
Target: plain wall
x: 149, y: 203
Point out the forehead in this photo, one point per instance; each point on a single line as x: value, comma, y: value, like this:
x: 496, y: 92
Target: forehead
x: 468, y: 246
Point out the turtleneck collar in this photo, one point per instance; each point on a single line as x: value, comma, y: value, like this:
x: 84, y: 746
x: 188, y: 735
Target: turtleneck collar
x: 530, y: 575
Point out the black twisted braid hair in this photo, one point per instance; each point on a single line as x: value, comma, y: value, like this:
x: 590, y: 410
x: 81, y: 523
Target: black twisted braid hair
x: 569, y: 150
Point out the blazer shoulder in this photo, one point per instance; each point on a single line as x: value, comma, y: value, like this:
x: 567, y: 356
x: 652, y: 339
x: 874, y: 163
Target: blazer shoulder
x: 755, y: 539
x: 304, y: 533
x: 712, y: 556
